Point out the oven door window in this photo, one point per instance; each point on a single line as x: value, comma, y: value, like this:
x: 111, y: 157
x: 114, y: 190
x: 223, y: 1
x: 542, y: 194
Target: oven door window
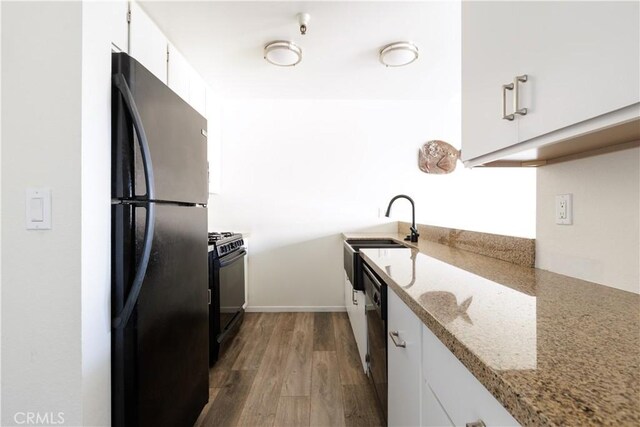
x: 231, y: 282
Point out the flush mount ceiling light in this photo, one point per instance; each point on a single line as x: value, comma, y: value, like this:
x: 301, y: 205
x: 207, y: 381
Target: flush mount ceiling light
x: 398, y: 54
x: 283, y: 53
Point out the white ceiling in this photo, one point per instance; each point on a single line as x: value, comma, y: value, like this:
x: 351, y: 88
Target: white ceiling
x: 224, y: 42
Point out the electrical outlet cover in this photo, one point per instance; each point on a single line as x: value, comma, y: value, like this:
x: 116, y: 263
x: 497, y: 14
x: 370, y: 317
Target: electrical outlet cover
x: 564, y: 209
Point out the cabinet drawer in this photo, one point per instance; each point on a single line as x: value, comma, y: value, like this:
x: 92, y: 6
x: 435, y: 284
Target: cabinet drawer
x: 462, y: 396
x: 433, y: 414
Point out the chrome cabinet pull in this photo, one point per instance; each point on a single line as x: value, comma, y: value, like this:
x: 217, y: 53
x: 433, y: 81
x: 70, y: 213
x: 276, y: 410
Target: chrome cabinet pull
x: 516, y: 95
x: 353, y: 297
x: 395, y: 337
x: 478, y: 423
x: 506, y: 116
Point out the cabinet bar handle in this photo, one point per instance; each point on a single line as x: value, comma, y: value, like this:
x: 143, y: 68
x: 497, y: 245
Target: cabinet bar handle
x: 478, y: 423
x: 506, y: 116
x: 353, y: 297
x: 395, y: 337
x: 516, y: 94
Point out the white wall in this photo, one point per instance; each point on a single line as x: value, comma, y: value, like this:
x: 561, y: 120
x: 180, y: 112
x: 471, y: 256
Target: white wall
x: 56, y: 291
x: 0, y: 208
x: 103, y: 22
x: 297, y: 173
x: 603, y: 244
x: 41, y: 145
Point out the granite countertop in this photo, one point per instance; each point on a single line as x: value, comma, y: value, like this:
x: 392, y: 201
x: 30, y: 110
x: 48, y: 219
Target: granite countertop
x: 554, y: 350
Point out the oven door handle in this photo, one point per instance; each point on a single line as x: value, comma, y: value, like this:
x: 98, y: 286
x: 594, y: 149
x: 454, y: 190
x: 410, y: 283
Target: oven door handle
x: 226, y: 262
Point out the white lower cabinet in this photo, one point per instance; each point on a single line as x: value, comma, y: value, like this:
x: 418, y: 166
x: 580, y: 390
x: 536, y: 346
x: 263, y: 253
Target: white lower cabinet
x: 433, y: 414
x: 403, y: 363
x: 427, y: 384
x: 456, y: 391
x: 354, y: 302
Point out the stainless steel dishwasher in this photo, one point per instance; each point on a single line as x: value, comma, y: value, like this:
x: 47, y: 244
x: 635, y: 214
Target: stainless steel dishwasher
x: 376, y: 310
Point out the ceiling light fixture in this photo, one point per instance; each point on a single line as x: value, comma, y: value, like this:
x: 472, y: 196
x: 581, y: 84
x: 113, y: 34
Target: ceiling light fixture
x: 283, y: 53
x: 398, y: 54
x: 303, y: 20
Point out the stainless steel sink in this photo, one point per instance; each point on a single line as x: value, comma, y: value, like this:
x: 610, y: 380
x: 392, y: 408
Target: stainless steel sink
x: 353, y: 262
x: 358, y: 244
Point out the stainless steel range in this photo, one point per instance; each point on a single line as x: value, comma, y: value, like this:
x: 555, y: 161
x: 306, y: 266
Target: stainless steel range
x: 226, y: 288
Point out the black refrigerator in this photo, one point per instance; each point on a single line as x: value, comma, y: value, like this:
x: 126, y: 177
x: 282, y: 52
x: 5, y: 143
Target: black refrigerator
x: 159, y: 293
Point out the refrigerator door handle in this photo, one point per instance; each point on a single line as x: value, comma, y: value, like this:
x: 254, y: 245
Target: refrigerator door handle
x: 127, y: 97
x: 121, y: 320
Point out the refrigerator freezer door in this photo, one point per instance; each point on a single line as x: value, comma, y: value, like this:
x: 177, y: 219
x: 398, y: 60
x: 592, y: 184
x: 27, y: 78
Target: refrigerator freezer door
x: 175, y: 133
x: 161, y: 357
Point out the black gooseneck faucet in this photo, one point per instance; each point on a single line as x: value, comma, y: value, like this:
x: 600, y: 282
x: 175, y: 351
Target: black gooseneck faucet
x: 414, y: 231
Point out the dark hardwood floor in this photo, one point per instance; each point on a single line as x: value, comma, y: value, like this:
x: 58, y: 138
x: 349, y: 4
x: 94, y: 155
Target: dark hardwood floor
x: 291, y: 369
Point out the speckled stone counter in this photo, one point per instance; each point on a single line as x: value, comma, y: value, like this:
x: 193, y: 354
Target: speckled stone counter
x: 552, y: 349
x: 516, y: 250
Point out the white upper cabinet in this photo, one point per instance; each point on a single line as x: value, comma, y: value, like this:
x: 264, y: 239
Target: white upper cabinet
x: 197, y: 92
x: 147, y: 43
x: 185, y: 81
x: 214, y: 142
x: 178, y: 73
x: 486, y: 66
x: 151, y: 48
x: 581, y: 61
x: 117, y: 12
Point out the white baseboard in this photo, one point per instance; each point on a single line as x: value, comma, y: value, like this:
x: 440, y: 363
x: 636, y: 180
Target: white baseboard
x: 282, y: 309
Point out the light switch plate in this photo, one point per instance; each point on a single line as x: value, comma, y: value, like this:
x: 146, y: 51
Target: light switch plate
x: 38, y: 209
x: 564, y: 209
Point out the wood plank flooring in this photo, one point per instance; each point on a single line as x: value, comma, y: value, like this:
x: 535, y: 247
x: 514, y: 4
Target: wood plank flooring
x: 291, y: 369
